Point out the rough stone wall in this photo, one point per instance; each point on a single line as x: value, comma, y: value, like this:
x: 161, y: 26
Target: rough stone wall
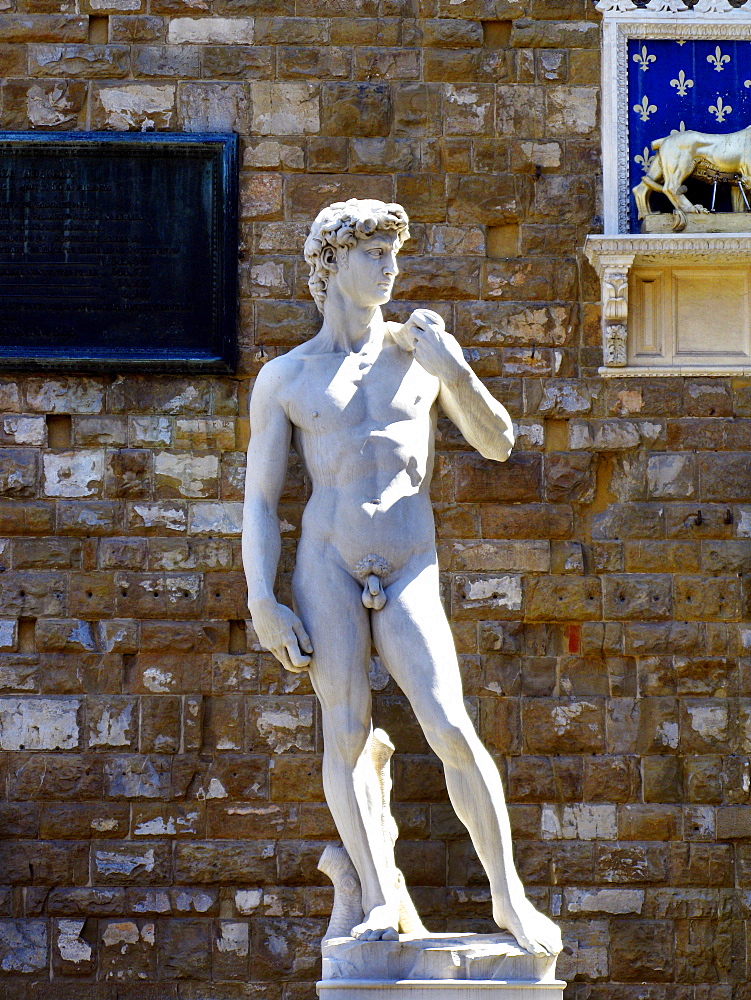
x: 162, y: 811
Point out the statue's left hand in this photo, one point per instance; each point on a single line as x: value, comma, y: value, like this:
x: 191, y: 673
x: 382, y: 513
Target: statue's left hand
x: 434, y: 348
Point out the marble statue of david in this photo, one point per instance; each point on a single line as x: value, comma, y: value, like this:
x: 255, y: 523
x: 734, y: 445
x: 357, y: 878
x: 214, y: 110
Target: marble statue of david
x: 359, y: 402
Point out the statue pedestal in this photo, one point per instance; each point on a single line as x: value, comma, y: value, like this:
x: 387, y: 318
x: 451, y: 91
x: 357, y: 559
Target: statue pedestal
x: 436, y: 967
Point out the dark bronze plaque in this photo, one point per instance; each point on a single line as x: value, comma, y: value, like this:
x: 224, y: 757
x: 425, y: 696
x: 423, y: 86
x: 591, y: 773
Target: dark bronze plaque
x: 118, y: 250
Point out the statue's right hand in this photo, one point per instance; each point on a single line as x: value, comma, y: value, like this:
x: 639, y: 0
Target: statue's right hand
x: 281, y: 632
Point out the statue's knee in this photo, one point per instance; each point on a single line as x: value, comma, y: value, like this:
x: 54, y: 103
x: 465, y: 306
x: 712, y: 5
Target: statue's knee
x: 453, y: 743
x: 346, y: 737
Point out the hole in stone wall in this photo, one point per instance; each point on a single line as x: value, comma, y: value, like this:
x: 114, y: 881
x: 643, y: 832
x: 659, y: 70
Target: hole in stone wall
x: 496, y: 34
x: 27, y: 635
x: 99, y: 29
x: 502, y: 241
x: 59, y: 430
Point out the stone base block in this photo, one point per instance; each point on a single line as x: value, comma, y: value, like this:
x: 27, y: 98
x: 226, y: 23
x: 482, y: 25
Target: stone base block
x: 433, y: 989
x: 436, y: 967
x: 715, y: 222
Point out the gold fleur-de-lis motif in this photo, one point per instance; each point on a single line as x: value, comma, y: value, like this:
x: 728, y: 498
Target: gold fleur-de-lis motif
x: 682, y: 84
x: 644, y: 58
x: 681, y: 128
x: 645, y: 109
x: 747, y: 83
x: 718, y: 59
x: 645, y: 159
x: 720, y: 110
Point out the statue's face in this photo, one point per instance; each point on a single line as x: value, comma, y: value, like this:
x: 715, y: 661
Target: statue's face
x: 366, y: 271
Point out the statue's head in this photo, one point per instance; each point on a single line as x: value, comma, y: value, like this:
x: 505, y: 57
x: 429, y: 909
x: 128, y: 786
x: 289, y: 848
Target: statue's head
x: 339, y: 226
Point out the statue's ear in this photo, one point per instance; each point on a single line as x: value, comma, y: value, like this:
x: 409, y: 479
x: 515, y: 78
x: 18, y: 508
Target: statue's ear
x: 328, y: 256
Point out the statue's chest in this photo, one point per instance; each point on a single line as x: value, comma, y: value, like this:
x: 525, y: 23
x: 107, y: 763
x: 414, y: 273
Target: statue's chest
x: 354, y: 394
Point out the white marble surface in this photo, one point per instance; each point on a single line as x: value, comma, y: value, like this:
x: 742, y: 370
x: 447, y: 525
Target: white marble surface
x: 460, y: 957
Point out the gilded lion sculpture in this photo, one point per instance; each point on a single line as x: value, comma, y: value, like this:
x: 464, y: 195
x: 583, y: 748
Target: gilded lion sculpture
x: 708, y: 157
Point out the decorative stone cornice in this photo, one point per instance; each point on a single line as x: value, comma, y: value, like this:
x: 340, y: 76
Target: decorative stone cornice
x: 609, y: 251
x: 664, y: 371
x: 704, y: 8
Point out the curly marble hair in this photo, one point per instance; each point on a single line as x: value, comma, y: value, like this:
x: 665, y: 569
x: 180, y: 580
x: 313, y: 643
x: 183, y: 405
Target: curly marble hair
x: 341, y: 225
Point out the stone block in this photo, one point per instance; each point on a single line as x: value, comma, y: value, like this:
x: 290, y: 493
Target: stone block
x: 127, y: 949
x: 213, y: 107
x: 637, y: 597
x: 486, y: 200
x: 468, y: 110
x: 545, y: 521
x: 245, y: 62
x: 39, y: 723
x: 97, y: 61
x: 700, y: 598
x: 579, y: 822
x: 356, y: 108
x: 520, y: 112
x: 131, y: 776
x: 615, y: 902
x: 139, y: 28
x: 480, y: 596
x: 52, y: 863
x: 23, y: 431
x: 134, y: 106
x: 210, y: 31
x: 377, y: 154
x: 569, y: 476
x: 416, y: 110
x: 451, y: 33
x: 571, y: 111
x: 671, y: 476
x: 707, y: 725
x: 23, y: 946
x: 491, y: 323
x: 185, y: 475
x: 563, y: 598
x: 565, y: 726
x: 72, y: 951
x: 483, y: 481
x: 488, y: 557
x: 221, y: 863
x: 18, y: 473
x: 159, y: 518
x: 724, y: 477
x: 165, y: 61
x: 649, y: 822
x: 586, y: 953
x: 391, y: 63
x: 43, y: 28
x: 643, y: 950
x: 632, y: 864
x: 84, y: 821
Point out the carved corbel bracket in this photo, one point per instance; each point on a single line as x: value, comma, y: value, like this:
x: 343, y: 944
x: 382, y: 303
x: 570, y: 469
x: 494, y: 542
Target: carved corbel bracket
x: 613, y: 273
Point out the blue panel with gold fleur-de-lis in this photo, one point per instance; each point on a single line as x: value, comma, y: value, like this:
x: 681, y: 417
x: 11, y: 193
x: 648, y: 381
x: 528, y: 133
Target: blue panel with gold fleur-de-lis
x: 694, y: 84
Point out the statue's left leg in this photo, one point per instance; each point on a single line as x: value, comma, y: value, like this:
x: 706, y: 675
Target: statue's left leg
x: 414, y: 640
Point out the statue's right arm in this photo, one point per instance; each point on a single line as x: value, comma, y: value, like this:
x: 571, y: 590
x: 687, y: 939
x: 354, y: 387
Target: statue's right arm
x: 279, y: 629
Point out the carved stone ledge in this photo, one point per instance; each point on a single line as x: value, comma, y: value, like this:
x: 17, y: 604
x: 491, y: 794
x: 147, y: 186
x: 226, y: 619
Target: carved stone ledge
x: 702, y: 9
x: 604, y: 251
x: 668, y: 371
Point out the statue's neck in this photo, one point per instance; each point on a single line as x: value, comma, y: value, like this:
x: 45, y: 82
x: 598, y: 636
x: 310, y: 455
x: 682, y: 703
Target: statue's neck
x: 349, y: 327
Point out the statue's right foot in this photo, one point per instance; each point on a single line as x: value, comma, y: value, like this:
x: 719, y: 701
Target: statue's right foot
x: 380, y: 925
x: 535, y: 932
